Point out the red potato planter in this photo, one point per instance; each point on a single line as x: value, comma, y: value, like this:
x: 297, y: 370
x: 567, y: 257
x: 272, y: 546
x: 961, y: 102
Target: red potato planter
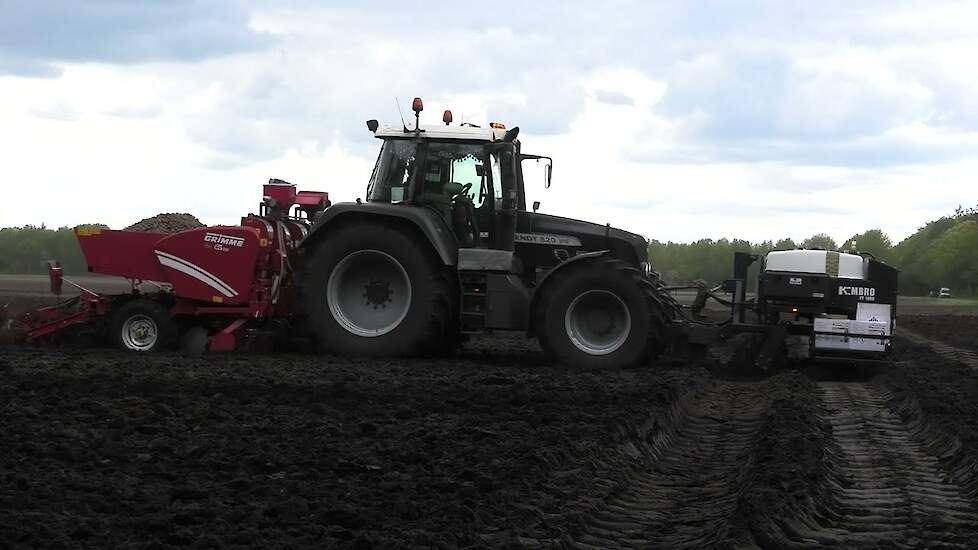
x: 216, y: 278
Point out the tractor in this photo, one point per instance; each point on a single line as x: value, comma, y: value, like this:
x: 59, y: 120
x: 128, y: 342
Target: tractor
x: 443, y: 246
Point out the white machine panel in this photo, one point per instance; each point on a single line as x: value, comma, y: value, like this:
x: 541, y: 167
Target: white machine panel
x: 854, y: 335
x: 851, y: 266
x: 880, y: 313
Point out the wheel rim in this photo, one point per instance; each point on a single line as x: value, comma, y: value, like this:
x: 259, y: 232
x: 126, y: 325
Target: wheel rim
x: 140, y: 333
x: 369, y: 293
x: 598, y: 322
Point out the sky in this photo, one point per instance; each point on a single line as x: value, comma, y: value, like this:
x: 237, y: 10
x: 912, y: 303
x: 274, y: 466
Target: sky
x: 677, y: 120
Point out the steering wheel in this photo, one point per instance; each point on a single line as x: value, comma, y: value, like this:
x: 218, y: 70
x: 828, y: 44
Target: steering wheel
x: 463, y: 191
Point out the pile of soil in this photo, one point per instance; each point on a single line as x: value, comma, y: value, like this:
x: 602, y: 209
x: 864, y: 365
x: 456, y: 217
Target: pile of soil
x: 104, y: 449
x: 166, y: 223
x: 957, y: 330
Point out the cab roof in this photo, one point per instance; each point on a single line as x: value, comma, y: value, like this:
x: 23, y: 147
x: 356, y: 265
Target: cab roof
x: 468, y: 133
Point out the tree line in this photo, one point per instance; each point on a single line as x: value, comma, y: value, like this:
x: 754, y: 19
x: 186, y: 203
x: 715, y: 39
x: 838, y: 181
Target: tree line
x: 942, y: 253
x: 28, y: 249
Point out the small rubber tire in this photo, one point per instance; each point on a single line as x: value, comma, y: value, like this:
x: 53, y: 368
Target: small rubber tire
x: 426, y: 326
x: 146, y: 314
x: 646, y: 321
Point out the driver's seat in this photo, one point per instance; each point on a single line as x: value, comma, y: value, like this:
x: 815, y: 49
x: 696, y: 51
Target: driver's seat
x: 464, y: 223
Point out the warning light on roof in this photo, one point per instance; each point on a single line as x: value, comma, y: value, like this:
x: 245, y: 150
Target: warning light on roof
x: 497, y: 125
x: 447, y: 117
x: 417, y: 106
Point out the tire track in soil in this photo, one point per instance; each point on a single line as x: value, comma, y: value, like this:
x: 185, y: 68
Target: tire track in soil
x: 947, y: 351
x: 884, y: 485
x: 686, y: 497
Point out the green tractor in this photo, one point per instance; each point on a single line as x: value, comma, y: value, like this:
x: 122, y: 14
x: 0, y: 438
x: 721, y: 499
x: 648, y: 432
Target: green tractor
x: 444, y: 246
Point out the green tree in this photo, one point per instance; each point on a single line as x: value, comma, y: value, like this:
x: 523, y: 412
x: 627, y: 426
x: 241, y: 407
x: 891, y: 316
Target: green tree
x: 785, y: 244
x: 874, y: 241
x: 819, y: 241
x: 28, y: 249
x: 954, y: 258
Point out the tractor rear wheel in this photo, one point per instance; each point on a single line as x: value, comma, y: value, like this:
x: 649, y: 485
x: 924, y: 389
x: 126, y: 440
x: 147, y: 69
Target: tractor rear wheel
x: 600, y: 314
x: 373, y: 289
x: 142, y: 325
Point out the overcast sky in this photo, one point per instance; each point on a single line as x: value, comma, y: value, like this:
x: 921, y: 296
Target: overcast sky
x: 677, y: 120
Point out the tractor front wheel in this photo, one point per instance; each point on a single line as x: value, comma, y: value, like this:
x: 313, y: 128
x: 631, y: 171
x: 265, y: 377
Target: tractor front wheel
x: 600, y: 314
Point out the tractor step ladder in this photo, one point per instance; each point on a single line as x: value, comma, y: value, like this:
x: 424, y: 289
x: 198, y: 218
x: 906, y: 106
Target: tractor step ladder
x: 475, y: 305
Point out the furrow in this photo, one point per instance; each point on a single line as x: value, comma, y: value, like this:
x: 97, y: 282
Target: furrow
x: 686, y: 495
x: 947, y: 351
x: 886, y: 486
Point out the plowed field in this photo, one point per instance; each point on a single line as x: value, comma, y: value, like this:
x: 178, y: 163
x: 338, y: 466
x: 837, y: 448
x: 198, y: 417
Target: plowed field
x: 493, y: 447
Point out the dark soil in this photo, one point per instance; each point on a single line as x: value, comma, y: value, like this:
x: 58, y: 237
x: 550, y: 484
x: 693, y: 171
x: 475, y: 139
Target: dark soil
x: 946, y: 392
x: 787, y: 466
x: 166, y: 223
x: 103, y: 449
x: 493, y: 447
x: 957, y: 330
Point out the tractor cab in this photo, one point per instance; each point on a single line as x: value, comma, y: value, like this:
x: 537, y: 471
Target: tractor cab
x: 471, y: 176
x: 459, y: 175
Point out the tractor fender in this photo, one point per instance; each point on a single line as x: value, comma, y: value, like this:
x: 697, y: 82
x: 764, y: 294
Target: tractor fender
x: 425, y: 220
x: 543, y: 282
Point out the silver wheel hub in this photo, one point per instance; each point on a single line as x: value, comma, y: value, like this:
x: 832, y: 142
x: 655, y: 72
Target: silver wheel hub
x: 369, y: 293
x: 140, y: 333
x: 598, y: 322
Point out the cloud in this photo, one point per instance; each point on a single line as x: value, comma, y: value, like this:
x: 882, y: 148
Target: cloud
x: 61, y: 112
x: 42, y: 33
x: 644, y: 106
x: 613, y: 97
x: 738, y: 210
x: 27, y: 67
x: 889, y: 148
x: 135, y: 112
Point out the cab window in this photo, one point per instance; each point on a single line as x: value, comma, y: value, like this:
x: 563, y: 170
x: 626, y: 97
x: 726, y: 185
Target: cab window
x: 452, y: 166
x: 392, y: 172
x: 497, y: 178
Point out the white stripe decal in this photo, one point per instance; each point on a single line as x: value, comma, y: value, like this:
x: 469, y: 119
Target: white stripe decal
x: 196, y: 272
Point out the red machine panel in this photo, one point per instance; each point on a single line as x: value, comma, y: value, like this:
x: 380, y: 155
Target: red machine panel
x: 212, y: 264
x: 123, y: 253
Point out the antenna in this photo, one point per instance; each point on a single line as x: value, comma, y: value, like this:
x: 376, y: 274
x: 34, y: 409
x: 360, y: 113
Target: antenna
x: 398, y: 104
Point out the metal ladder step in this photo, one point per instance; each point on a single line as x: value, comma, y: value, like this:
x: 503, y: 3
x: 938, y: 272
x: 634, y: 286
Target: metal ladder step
x: 474, y: 304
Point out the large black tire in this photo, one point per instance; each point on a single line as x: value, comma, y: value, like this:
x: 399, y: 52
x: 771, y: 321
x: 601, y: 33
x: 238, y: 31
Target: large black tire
x: 341, y: 326
x: 581, y: 318
x: 142, y: 325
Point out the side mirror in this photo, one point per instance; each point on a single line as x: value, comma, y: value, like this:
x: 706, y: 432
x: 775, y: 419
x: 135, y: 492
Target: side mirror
x: 536, y: 206
x: 549, y: 172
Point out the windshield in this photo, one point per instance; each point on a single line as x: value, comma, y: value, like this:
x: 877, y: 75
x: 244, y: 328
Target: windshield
x: 395, y: 166
x: 448, y: 169
x: 451, y: 167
